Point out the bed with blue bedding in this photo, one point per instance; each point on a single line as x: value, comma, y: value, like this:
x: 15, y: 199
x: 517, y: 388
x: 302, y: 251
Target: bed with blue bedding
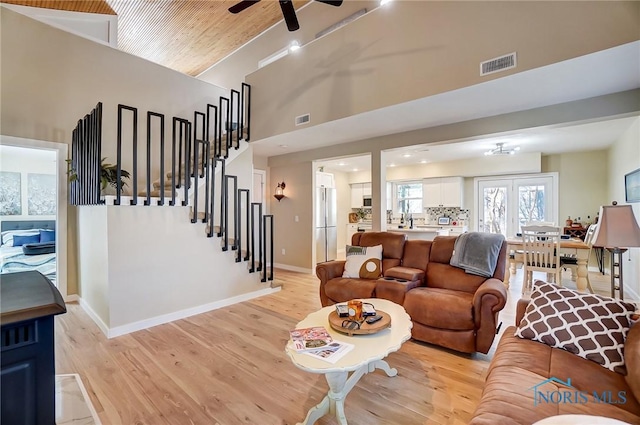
x: 28, y: 245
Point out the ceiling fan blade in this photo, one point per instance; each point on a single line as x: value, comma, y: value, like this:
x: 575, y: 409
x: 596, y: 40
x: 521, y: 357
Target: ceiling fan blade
x: 239, y: 7
x: 335, y: 3
x: 289, y: 14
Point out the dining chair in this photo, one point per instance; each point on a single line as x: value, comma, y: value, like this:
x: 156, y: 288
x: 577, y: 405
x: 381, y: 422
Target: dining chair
x: 541, y: 250
x: 517, y: 256
x: 571, y: 262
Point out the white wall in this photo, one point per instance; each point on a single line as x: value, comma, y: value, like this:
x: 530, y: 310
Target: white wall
x: 27, y: 161
x: 142, y: 266
x: 624, y: 157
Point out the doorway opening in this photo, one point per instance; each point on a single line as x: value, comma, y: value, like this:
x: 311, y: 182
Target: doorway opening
x: 33, y: 213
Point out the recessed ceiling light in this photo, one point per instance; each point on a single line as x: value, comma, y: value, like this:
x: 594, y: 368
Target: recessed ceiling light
x: 294, y: 46
x: 342, y: 164
x: 406, y: 155
x: 284, y: 146
x: 392, y: 165
x: 355, y: 169
x: 383, y: 2
x: 424, y: 161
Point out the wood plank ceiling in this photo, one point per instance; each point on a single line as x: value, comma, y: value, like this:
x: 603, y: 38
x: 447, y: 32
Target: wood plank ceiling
x: 185, y: 35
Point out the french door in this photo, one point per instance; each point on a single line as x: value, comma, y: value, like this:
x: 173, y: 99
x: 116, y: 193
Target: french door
x: 505, y: 204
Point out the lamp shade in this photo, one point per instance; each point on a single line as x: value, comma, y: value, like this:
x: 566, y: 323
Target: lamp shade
x: 617, y: 227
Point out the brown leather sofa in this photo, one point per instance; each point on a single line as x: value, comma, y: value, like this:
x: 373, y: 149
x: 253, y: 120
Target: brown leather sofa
x: 448, y: 307
x: 520, y: 364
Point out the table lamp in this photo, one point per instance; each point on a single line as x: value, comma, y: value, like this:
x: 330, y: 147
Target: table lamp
x: 617, y: 231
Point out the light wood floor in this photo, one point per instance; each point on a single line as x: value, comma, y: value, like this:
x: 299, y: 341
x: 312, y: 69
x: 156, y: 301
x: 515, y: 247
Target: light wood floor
x: 228, y: 367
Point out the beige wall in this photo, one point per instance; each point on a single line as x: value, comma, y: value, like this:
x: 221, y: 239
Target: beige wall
x: 624, y: 157
x: 296, y: 238
x: 51, y: 78
x: 582, y: 182
x: 439, y: 46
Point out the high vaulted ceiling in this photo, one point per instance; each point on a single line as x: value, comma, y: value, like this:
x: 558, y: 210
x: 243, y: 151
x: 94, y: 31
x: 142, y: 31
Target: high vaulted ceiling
x: 186, y: 35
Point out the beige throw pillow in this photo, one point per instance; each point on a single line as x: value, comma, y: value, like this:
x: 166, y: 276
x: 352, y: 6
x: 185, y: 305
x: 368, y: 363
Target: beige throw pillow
x: 588, y: 325
x: 363, y: 262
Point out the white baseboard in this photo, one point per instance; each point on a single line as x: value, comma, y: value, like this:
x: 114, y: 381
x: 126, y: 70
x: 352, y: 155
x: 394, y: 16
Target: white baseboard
x: 293, y: 268
x: 97, y: 320
x: 177, y: 315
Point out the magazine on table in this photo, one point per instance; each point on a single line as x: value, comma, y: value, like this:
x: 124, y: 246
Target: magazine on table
x: 307, y: 339
x: 332, y: 352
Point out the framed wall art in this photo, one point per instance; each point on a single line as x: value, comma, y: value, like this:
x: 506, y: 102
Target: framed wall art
x: 10, y: 193
x: 632, y: 186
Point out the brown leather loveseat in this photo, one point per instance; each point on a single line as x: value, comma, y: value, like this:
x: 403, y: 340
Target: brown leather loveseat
x: 520, y: 366
x: 448, y: 307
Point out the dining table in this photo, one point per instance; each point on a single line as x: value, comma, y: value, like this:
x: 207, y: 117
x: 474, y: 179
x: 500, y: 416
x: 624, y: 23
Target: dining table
x: 572, y: 246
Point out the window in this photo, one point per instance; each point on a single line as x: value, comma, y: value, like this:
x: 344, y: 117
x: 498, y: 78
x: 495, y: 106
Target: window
x: 408, y: 197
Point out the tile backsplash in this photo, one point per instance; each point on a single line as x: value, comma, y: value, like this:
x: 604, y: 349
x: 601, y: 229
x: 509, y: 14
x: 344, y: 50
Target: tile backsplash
x: 454, y: 213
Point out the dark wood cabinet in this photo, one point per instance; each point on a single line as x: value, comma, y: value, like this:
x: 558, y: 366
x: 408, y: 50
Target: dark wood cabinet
x: 576, y: 232
x: 28, y: 302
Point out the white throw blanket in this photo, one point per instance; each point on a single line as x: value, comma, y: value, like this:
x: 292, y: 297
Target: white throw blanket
x: 477, y: 252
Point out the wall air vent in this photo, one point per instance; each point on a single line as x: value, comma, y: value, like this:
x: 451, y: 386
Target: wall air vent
x: 498, y: 64
x: 303, y: 119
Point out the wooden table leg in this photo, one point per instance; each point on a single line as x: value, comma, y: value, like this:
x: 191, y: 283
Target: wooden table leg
x: 583, y: 258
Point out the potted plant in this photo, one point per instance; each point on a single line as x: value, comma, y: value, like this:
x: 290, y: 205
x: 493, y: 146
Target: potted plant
x: 361, y: 214
x: 108, y: 175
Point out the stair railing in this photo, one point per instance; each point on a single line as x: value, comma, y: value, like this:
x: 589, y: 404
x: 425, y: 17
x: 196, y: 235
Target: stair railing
x: 86, y: 151
x: 225, y: 118
x: 225, y: 219
x: 245, y: 110
x: 235, y: 94
x: 239, y: 210
x: 150, y: 115
x: 256, y: 219
x: 202, y: 137
x: 267, y: 253
x: 134, y: 142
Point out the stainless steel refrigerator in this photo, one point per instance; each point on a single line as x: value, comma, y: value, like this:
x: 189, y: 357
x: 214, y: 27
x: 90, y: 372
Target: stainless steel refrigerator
x: 326, y: 231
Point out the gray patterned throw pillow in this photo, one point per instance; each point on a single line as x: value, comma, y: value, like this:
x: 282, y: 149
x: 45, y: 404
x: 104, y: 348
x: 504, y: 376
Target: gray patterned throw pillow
x: 588, y: 325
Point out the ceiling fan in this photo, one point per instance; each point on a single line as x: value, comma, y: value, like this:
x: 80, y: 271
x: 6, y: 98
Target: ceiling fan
x: 288, y: 12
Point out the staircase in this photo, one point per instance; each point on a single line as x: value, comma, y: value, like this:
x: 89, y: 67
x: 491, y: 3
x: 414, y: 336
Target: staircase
x: 194, y: 173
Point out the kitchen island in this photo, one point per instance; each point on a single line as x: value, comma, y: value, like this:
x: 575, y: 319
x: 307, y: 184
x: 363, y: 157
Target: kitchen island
x: 428, y: 232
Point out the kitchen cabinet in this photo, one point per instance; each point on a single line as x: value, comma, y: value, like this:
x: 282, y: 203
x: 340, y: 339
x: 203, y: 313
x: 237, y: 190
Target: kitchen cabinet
x: 358, y: 192
x: 442, y: 192
x: 325, y: 180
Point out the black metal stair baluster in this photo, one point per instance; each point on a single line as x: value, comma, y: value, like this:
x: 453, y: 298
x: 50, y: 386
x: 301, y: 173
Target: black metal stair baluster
x: 260, y: 238
x: 237, y: 110
x: 212, y: 197
x: 226, y: 121
x: 223, y: 198
x: 271, y: 248
x: 134, y: 194
x: 185, y: 131
x: 203, y: 138
x: 264, y: 249
x: 179, y: 121
x: 207, y: 179
x: 239, y: 210
x: 148, y: 200
x: 118, y: 153
x: 194, y: 218
x: 252, y: 246
x: 173, y: 163
x: 246, y: 91
x: 212, y: 111
x: 236, y: 221
x: 247, y: 221
x: 162, y: 175
x: 98, y: 155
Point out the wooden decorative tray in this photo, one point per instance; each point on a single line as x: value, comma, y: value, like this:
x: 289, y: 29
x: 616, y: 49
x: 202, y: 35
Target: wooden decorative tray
x: 336, y: 323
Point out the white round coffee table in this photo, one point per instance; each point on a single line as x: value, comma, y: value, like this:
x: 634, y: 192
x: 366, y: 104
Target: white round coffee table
x: 366, y: 356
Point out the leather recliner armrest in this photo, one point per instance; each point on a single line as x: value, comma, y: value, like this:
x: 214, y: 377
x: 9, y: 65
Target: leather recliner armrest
x: 326, y: 272
x: 489, y: 299
x: 521, y: 307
